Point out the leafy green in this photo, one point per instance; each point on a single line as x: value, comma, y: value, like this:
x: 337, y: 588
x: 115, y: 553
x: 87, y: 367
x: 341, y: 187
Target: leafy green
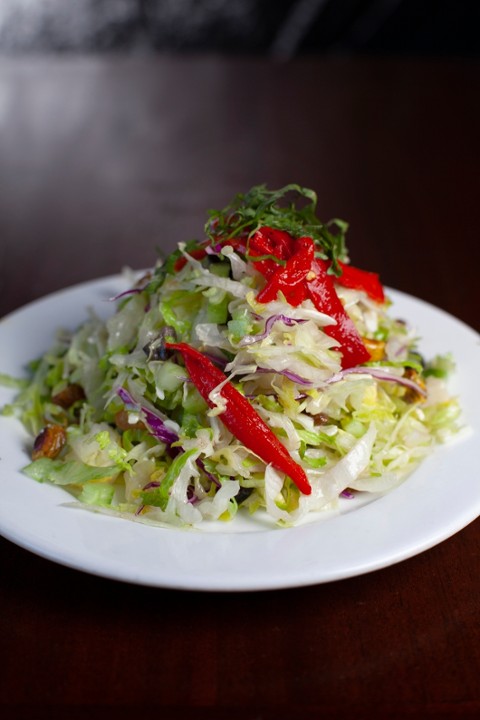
x: 159, y: 496
x: 314, y: 462
x: 12, y: 382
x: 409, y: 363
x: 441, y: 366
x: 116, y: 453
x: 166, y: 266
x: 99, y: 494
x: 273, y: 258
x: 71, y: 472
x: 279, y: 209
x: 29, y: 405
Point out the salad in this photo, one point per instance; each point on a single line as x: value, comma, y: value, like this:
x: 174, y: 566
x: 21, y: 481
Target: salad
x: 255, y: 370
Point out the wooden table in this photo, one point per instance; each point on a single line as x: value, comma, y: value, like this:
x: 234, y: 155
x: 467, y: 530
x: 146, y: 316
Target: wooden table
x: 104, y: 159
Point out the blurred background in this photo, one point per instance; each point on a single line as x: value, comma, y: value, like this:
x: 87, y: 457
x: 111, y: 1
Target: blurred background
x: 123, y: 121
x: 282, y: 28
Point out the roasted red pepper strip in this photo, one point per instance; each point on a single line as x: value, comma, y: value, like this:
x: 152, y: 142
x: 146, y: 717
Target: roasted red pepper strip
x: 239, y: 416
x: 267, y: 241
x: 369, y: 282
x: 290, y: 280
x: 321, y: 290
x: 304, y: 276
x: 281, y: 245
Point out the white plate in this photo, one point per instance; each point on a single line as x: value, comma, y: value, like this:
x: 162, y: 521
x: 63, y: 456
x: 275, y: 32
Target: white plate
x: 438, y: 500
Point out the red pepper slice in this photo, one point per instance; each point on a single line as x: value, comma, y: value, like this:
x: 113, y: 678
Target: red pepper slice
x: 290, y: 280
x: 356, y: 279
x: 321, y: 290
x: 267, y: 241
x: 239, y: 416
x: 304, y: 276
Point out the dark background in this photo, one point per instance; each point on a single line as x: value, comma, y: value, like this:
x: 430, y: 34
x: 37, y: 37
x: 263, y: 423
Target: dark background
x: 282, y: 28
x: 121, y: 122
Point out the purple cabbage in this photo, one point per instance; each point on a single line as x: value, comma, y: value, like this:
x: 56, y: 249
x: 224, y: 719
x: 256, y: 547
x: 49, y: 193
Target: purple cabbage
x: 379, y: 374
x: 269, y: 323
x: 125, y: 293
x: 150, y: 485
x: 160, y: 431
x: 214, y: 249
x: 155, y: 423
x: 209, y: 475
x: 288, y: 374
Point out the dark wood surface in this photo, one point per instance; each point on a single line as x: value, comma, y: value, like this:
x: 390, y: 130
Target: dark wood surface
x: 102, y: 161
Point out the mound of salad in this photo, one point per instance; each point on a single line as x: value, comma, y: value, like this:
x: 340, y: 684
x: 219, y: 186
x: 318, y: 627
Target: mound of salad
x: 253, y: 371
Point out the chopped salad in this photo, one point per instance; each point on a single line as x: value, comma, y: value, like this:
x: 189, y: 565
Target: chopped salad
x: 256, y: 371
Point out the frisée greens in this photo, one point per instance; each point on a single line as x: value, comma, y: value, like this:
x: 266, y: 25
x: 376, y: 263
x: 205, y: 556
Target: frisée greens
x: 255, y: 370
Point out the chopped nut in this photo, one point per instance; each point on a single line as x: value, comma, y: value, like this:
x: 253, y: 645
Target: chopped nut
x: 412, y: 395
x: 69, y: 395
x: 321, y: 419
x: 376, y: 348
x: 121, y: 421
x: 49, y: 442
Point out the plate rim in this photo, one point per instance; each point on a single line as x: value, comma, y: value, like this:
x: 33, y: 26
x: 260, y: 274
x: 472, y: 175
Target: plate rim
x: 105, y: 568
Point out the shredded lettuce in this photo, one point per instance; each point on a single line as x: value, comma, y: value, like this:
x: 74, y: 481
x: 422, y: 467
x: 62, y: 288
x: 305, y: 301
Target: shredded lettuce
x: 68, y: 472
